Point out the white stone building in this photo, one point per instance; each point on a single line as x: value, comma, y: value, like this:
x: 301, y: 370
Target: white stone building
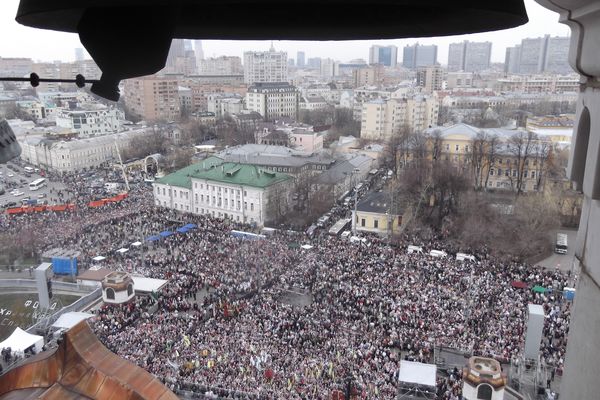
x: 265, y: 66
x: 239, y: 192
x: 91, y: 120
x: 74, y: 155
x: 273, y: 100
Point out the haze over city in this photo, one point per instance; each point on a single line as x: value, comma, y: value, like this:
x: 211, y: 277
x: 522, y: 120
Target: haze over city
x: 50, y: 46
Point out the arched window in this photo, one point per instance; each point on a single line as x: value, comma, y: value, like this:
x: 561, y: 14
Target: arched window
x: 130, y: 289
x: 110, y: 294
x: 484, y: 392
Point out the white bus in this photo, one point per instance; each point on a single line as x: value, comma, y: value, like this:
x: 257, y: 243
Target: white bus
x: 561, y: 243
x: 37, y: 184
x: 339, y: 226
x: 28, y: 169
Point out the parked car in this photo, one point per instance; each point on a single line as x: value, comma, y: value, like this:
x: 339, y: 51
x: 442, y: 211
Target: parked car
x: 18, y: 193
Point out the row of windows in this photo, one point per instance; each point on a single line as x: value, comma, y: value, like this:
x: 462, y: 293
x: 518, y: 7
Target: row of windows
x: 507, y: 172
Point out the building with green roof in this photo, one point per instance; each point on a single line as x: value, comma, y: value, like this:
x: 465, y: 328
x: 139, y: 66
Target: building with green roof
x: 240, y: 192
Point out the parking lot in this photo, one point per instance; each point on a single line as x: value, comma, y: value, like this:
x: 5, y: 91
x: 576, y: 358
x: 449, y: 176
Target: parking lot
x: 20, y: 181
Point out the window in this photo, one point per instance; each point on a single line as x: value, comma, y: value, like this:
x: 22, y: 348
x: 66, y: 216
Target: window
x: 532, y: 174
x: 251, y: 206
x: 456, y: 147
x: 245, y: 205
x: 376, y: 224
x: 525, y: 174
x: 110, y: 293
x: 362, y: 222
x: 499, y: 171
x: 491, y: 172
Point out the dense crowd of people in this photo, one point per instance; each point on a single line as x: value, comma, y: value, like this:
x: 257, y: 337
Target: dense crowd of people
x: 270, y: 319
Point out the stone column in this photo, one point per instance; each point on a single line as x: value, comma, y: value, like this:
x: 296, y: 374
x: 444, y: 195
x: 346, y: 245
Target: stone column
x: 581, y: 378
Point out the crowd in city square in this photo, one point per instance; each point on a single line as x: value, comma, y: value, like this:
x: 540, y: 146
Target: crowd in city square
x: 269, y: 318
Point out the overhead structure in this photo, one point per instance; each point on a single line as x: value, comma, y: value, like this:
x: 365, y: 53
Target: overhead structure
x: 129, y: 38
x: 415, y: 378
x: 19, y: 341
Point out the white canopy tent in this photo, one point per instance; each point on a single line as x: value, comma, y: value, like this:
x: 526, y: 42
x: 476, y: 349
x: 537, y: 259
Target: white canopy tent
x: 99, y: 258
x: 70, y: 319
x: 306, y: 246
x: 417, y: 378
x: 136, y: 244
x: 147, y: 285
x: 123, y: 250
x: 19, y: 341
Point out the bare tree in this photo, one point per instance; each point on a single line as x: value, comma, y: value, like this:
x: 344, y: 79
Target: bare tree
x: 522, y: 147
x: 484, y: 148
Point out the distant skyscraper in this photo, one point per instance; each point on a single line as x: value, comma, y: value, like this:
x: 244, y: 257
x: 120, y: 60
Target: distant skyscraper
x: 265, y: 66
x: 386, y: 55
x: 314, y: 63
x: 79, y: 54
x: 556, y: 59
x: 300, y: 59
x: 469, y: 56
x: 512, y: 59
x: 419, y: 56
x: 198, y: 49
x: 456, y: 57
x: 177, y: 50
x: 536, y: 55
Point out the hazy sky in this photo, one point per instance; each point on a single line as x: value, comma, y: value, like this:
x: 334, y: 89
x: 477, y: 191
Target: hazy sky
x: 20, y: 41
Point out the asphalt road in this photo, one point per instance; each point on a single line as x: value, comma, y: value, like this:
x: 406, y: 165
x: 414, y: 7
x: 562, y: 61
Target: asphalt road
x: 7, y: 197
x: 563, y: 261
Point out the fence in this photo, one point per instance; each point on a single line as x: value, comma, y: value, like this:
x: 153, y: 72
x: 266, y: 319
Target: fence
x: 76, y: 306
x: 56, y: 285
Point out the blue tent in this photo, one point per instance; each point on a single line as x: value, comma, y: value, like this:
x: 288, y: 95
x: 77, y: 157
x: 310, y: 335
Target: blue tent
x: 165, y: 233
x: 183, y: 229
x: 190, y: 226
x: 153, y: 238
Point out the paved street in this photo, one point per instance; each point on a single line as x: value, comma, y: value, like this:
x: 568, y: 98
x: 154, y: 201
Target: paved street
x: 23, y: 186
x: 563, y: 261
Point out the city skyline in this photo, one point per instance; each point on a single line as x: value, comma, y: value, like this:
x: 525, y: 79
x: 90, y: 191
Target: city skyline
x: 47, y: 46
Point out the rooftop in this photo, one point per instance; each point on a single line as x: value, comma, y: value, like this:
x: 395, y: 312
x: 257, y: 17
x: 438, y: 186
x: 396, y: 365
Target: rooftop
x: 215, y: 169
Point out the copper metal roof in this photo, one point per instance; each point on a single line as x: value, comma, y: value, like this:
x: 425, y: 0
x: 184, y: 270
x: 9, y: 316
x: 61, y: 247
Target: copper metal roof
x: 81, y: 368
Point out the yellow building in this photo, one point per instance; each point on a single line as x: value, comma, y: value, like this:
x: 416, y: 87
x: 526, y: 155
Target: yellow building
x: 375, y: 214
x: 384, y: 118
x: 492, y: 158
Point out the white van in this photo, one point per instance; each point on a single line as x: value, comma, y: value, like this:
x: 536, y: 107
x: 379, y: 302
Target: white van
x: 438, y: 253
x: 414, y: 249
x: 464, y: 256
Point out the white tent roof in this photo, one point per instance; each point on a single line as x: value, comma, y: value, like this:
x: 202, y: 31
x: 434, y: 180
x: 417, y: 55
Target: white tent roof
x: 70, y: 319
x: 20, y: 340
x: 306, y: 246
x: 98, y: 258
x: 122, y: 250
x: 142, y: 284
x: 136, y: 244
x: 418, y: 373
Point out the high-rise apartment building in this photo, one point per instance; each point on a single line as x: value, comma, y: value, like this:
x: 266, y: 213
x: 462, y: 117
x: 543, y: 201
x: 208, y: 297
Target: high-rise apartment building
x: 431, y: 78
x: 79, y: 54
x: 19, y: 67
x: 300, y: 59
x: 177, y: 50
x: 367, y: 76
x: 512, y: 59
x: 265, y: 66
x: 273, y: 100
x: 314, y: 63
x: 386, y: 55
x: 329, y: 68
x: 557, y: 55
x: 536, y: 55
x: 469, y: 56
x: 419, y: 56
x: 224, y: 65
x: 153, y: 98
x: 47, y: 70
x: 382, y: 119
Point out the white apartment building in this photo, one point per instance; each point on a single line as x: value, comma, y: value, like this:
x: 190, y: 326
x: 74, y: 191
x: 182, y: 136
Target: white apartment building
x: 273, y: 100
x: 381, y: 119
x: 239, y: 192
x: 265, y: 66
x: 224, y: 65
x: 91, y: 120
x: 224, y: 103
